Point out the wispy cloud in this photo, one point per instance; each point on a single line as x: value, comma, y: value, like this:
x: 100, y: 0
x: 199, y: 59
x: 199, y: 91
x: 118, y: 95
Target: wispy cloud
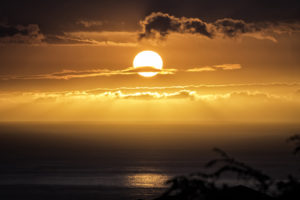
x: 87, y: 39
x: 90, y: 23
x: 256, y: 86
x: 228, y: 66
x: 31, y: 34
x: 215, y: 67
x: 70, y: 74
x: 201, y: 69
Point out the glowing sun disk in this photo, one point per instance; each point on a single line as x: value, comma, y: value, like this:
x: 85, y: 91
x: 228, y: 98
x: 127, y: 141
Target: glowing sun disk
x: 148, y: 59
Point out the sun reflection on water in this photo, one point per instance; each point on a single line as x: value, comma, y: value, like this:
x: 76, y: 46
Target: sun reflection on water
x: 147, y: 180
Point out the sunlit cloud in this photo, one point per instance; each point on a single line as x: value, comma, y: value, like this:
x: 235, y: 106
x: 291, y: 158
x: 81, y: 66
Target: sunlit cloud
x: 228, y: 66
x: 202, y: 69
x: 255, y: 86
x: 181, y: 104
x: 70, y: 74
x: 191, y: 95
x: 86, y: 39
x: 151, y: 95
x: 215, y: 67
x: 99, y: 38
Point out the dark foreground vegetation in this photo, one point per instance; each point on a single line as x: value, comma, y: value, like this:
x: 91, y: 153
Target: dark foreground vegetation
x: 210, y: 184
x: 257, y: 185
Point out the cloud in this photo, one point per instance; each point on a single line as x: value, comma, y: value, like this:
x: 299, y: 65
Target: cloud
x: 159, y: 25
x: 90, y: 23
x: 100, y: 38
x: 70, y: 74
x: 156, y: 25
x: 147, y: 95
x: 256, y: 96
x: 67, y: 74
x: 154, y: 105
x: 201, y: 69
x: 228, y: 66
x: 233, y: 28
x: 29, y: 34
x: 252, y: 96
x: 215, y: 67
x: 85, y: 39
x: 287, y: 87
x: 182, y: 94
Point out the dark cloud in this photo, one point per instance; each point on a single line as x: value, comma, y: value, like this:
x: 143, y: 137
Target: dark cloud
x: 89, y: 23
x: 162, y: 24
x: 232, y: 28
x: 116, y: 15
x: 58, y: 16
x: 6, y: 31
x: 20, y: 34
x: 212, y: 10
x: 159, y: 25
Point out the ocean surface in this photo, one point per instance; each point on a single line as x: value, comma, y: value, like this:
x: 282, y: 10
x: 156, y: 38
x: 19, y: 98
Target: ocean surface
x: 76, y: 160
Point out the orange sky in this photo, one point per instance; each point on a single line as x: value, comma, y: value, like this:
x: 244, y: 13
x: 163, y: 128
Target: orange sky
x: 210, y: 73
x: 261, y: 61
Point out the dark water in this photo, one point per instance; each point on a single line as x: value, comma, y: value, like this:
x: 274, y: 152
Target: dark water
x: 128, y: 161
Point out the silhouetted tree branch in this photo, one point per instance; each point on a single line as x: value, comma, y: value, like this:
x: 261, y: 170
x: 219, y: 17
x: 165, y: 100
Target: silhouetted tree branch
x: 243, y: 171
x: 296, y: 140
x: 203, y: 185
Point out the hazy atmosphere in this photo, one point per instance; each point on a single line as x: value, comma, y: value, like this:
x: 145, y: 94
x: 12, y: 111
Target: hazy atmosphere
x: 111, y: 99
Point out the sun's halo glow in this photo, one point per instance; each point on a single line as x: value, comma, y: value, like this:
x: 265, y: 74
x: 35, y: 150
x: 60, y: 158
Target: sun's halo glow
x: 148, y: 59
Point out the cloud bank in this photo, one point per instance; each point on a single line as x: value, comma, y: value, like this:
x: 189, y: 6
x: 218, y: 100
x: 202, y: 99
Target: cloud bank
x: 157, y: 25
x: 160, y: 25
x: 180, y: 105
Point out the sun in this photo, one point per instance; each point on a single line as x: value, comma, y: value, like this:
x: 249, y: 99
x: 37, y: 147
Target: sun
x: 148, y: 59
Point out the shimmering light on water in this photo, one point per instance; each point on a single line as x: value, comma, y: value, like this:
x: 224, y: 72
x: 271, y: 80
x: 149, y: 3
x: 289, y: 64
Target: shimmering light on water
x: 147, y: 180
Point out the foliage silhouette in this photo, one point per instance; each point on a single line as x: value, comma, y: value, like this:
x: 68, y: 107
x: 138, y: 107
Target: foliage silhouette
x: 203, y: 185
x: 296, y: 140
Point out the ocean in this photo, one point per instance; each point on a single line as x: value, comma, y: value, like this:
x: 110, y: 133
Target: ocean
x: 93, y: 160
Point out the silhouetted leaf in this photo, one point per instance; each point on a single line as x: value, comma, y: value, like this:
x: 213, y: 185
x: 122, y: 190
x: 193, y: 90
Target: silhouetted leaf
x: 296, y: 140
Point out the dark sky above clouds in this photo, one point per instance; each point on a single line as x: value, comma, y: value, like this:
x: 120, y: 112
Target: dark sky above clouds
x: 55, y: 16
